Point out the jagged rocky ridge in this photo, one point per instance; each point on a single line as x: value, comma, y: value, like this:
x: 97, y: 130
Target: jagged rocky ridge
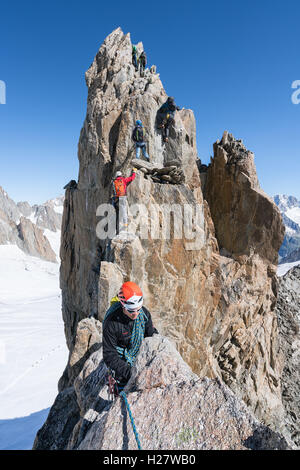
x: 288, y: 314
x: 172, y: 407
x: 214, y: 296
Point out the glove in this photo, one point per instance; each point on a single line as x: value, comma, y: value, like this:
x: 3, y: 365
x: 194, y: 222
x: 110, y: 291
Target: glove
x: 134, y: 170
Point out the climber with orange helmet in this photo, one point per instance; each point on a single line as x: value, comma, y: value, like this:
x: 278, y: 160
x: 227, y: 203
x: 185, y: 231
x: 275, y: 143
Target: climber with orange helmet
x: 125, y: 325
x: 120, y: 184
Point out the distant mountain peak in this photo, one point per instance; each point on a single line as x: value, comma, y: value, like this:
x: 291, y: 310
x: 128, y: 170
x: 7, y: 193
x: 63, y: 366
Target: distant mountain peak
x: 24, y: 225
x: 285, y: 202
x: 289, y: 207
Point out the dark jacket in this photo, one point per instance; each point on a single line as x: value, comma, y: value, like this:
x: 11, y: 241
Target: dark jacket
x: 117, y: 330
x: 169, y: 107
x: 138, y: 131
x: 143, y: 59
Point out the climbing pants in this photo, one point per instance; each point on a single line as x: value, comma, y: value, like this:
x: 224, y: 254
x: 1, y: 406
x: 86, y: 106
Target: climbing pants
x: 123, y: 218
x: 165, y: 122
x: 141, y: 146
x: 135, y: 62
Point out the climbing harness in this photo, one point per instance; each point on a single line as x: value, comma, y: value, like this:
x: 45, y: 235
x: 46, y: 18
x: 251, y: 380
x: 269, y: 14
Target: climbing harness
x: 112, y: 392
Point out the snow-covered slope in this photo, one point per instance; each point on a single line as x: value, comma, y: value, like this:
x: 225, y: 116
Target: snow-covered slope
x: 294, y: 214
x: 290, y: 209
x: 57, y: 204
x: 285, y: 267
x: 33, y: 350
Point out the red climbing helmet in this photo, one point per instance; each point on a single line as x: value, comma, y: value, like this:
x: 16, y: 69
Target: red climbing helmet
x: 131, y: 296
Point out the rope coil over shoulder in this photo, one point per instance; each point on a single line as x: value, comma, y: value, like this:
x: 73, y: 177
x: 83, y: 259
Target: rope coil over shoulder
x: 130, y: 354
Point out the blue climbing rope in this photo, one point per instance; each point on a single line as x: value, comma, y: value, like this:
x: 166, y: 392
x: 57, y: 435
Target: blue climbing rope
x: 123, y: 395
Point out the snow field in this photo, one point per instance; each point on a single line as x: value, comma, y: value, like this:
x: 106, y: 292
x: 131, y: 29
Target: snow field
x: 33, y: 351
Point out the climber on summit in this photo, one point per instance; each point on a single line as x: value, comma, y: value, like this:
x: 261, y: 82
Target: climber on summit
x: 142, y: 62
x: 125, y: 325
x: 135, y: 58
x: 120, y: 184
x: 166, y: 116
x: 138, y: 135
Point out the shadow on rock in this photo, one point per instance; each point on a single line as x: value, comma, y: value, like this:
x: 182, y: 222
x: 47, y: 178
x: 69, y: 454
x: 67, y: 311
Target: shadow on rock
x: 265, y: 439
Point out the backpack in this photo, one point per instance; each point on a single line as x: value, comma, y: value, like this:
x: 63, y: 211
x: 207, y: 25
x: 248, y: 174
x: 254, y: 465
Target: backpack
x: 120, y: 187
x: 139, y: 134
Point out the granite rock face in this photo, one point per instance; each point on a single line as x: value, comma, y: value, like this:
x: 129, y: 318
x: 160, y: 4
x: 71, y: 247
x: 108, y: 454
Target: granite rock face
x: 8, y: 206
x: 172, y: 408
x: 62, y: 418
x: 88, y: 339
x: 212, y: 288
x: 288, y: 313
x: 9, y: 218
x: 245, y: 218
x: 16, y: 228
x: 34, y: 242
x: 25, y: 208
x: 117, y: 96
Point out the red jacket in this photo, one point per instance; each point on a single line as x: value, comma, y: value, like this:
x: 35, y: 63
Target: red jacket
x: 125, y: 181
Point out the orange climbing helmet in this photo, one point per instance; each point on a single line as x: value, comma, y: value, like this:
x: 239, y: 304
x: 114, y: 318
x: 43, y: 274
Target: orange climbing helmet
x: 131, y: 296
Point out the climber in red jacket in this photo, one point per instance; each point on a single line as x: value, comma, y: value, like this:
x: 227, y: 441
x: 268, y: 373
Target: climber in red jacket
x: 120, y: 184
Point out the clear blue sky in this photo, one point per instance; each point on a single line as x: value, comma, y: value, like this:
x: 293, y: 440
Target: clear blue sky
x: 232, y: 62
